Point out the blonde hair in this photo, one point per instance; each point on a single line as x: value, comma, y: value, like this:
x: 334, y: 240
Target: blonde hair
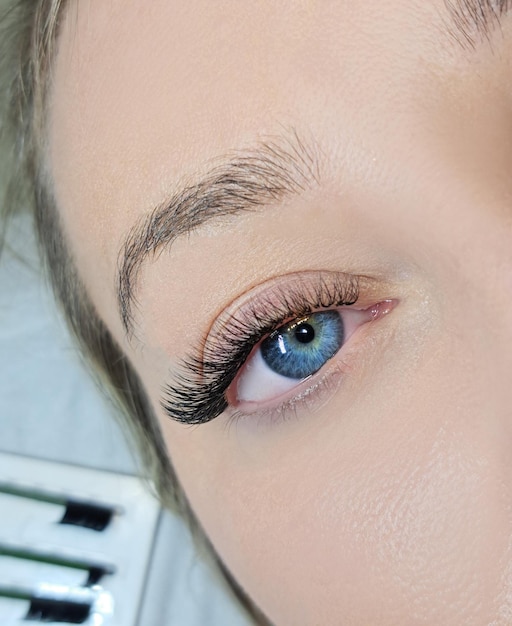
x: 29, y: 33
x: 32, y: 28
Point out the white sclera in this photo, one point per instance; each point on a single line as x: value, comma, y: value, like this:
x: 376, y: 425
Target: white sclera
x: 258, y: 383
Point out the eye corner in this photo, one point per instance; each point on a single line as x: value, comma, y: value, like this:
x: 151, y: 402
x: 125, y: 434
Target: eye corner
x: 383, y: 308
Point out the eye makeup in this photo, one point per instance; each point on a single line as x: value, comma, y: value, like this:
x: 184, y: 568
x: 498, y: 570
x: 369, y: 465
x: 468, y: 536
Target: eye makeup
x: 202, y: 387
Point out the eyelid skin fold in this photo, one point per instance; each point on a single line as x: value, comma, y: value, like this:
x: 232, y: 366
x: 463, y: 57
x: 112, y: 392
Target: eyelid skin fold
x: 197, y: 393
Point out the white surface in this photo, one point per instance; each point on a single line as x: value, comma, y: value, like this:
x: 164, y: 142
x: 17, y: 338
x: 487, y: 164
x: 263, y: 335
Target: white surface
x: 125, y: 545
x: 49, y: 408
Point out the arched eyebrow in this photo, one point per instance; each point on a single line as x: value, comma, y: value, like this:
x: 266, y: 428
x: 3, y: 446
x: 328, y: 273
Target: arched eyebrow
x: 263, y: 176
x: 258, y: 177
x: 474, y: 20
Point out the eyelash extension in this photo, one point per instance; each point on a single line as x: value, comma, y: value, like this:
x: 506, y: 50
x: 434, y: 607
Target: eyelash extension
x: 197, y: 393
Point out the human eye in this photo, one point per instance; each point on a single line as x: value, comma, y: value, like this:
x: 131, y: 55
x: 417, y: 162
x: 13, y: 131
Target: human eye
x: 273, y: 347
x: 292, y: 354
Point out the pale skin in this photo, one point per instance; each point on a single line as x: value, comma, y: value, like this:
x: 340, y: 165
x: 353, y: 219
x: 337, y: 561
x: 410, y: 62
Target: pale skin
x: 387, y: 500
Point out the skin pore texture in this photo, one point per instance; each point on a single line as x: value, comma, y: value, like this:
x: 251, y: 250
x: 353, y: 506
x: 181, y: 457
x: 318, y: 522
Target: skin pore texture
x: 383, y: 495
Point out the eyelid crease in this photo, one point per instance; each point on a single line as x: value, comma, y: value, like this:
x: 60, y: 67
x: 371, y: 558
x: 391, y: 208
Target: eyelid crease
x: 318, y: 289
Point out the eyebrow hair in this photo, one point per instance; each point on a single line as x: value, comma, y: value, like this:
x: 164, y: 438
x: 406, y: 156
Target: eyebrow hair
x: 262, y: 176
x: 475, y: 20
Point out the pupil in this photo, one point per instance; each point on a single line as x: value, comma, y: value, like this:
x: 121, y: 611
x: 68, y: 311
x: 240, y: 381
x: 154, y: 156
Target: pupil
x: 305, y: 333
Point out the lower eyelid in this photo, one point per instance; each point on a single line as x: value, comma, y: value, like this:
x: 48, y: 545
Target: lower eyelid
x: 310, y: 395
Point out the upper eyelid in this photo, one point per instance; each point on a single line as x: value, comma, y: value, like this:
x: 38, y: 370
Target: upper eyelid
x: 262, y: 296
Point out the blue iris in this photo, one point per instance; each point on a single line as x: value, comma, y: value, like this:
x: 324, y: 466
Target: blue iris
x: 299, y: 349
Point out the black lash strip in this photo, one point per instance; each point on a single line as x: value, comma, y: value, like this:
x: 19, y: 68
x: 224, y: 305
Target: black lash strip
x: 197, y: 393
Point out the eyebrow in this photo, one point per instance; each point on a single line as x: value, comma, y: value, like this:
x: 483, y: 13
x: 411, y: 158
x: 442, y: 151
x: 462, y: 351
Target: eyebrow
x: 475, y: 20
x: 262, y: 176
x: 265, y: 175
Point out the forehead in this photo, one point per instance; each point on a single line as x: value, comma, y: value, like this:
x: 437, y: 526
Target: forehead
x: 146, y: 94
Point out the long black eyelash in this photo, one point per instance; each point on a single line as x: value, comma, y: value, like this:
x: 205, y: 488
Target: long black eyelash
x: 197, y: 393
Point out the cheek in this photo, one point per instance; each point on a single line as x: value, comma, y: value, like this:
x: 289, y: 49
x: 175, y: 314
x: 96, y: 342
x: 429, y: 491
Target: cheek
x: 400, y: 510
